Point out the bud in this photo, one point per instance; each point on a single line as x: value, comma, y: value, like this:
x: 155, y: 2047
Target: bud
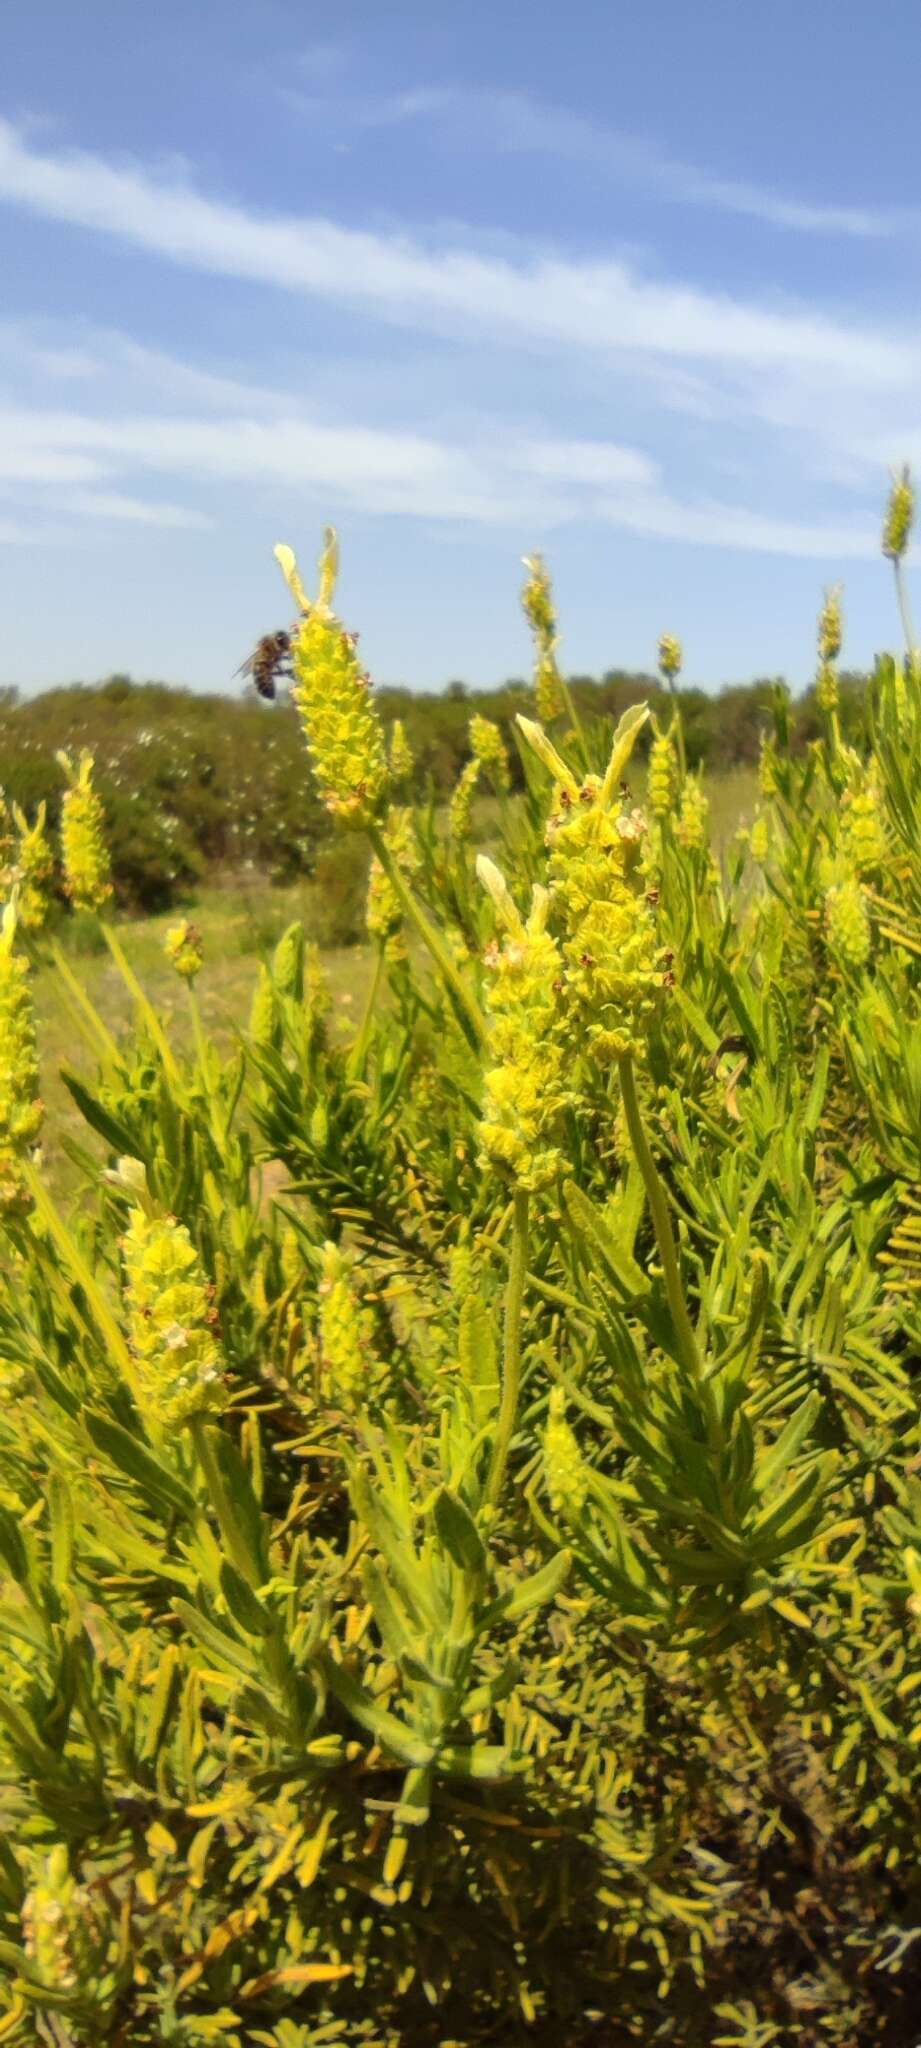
x: 402, y: 764
x: 900, y: 516
x: 662, y: 780
x: 288, y: 962
x: 20, y: 1109
x: 83, y: 847
x: 669, y: 657
x: 691, y: 829
x: 564, y: 1465
x: 537, y: 601
x: 384, y: 911
x: 170, y: 1323
x: 8, y: 869
x: 847, y: 923
x: 263, y: 1016
x: 63, y: 1936
x: 488, y: 747
x: 333, y: 695
x: 34, y: 870
x: 760, y: 839
x: 830, y: 627
x: 767, y: 769
x: 343, y: 1331
x: 862, y: 836
x: 524, y: 1089
x: 826, y: 688
x: 460, y: 808
x: 183, y: 948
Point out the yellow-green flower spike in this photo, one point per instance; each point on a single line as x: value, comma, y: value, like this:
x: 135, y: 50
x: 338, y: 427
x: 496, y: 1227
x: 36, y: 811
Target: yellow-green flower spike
x: 384, y: 912
x: 183, y: 948
x: 862, y: 835
x: 460, y: 808
x: 21, y: 1111
x: 760, y: 841
x: 830, y: 626
x: 343, y: 1334
x: 83, y: 847
x: 538, y: 606
x: 34, y: 870
x: 847, y: 923
x: 8, y: 868
x: 63, y: 1937
x: 333, y: 695
x: 693, y: 816
x: 564, y: 1465
x: 767, y: 769
x: 826, y: 688
x: 598, y: 875
x: 488, y: 747
x: 264, y: 1015
x: 670, y: 656
x: 171, y: 1323
x: 662, y: 779
x: 900, y: 516
x: 402, y: 764
x: 524, y: 1088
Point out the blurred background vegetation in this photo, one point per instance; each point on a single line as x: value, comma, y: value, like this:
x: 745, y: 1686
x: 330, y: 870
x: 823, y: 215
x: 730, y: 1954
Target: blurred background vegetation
x: 201, y: 788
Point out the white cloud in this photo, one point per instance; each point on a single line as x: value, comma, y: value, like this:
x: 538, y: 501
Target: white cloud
x: 537, y: 298
x: 134, y: 511
x: 525, y: 484
x: 504, y: 122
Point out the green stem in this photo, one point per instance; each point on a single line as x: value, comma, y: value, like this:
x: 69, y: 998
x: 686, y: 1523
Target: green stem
x: 511, y: 1353
x: 359, y: 1050
x: 901, y: 591
x: 467, y: 1007
x: 571, y: 712
x: 678, y: 730
x: 222, y: 1504
x: 661, y: 1221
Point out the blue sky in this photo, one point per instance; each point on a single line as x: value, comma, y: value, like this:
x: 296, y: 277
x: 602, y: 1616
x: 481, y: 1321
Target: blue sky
x: 633, y: 284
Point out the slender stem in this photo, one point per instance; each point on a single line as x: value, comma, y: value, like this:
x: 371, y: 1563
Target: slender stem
x: 511, y: 1353
x: 571, y: 712
x: 465, y: 1003
x: 661, y: 1221
x: 359, y: 1050
x: 222, y: 1504
x: 678, y: 729
x: 901, y: 591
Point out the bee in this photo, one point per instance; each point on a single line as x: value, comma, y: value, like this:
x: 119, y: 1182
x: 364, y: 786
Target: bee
x: 270, y: 658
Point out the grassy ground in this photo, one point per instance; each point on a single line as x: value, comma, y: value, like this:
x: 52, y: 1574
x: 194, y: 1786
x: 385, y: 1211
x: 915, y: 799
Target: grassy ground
x: 240, y: 920
x: 239, y: 923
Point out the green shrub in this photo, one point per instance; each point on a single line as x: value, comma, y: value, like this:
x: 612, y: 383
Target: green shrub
x: 460, y: 1524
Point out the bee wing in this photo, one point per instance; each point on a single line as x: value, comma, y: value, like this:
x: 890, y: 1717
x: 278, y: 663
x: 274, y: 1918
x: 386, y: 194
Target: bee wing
x: 245, y: 668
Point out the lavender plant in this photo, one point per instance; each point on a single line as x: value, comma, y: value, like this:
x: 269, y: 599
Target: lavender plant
x: 468, y: 1590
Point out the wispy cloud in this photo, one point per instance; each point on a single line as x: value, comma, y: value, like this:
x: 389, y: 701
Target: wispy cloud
x: 523, y: 484
x: 500, y: 122
x: 538, y: 298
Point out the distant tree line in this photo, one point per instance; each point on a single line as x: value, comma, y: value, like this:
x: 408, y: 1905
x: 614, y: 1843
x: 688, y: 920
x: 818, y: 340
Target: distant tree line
x: 195, y: 783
